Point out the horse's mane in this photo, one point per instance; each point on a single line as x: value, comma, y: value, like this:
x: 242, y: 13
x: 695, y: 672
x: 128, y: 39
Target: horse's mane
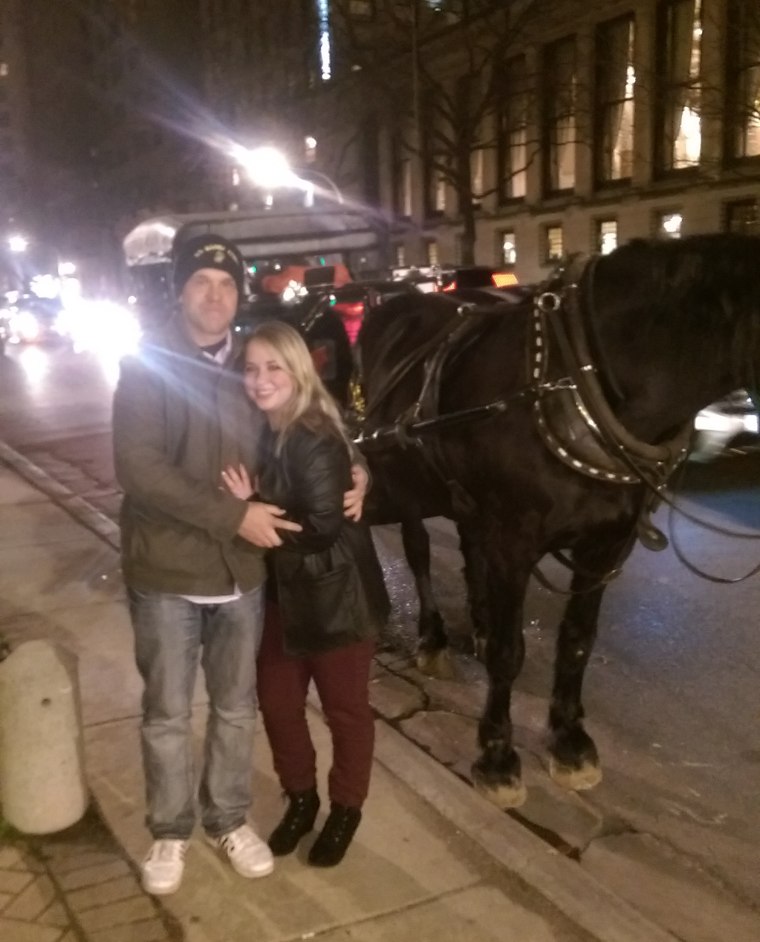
x: 705, y: 276
x: 701, y: 287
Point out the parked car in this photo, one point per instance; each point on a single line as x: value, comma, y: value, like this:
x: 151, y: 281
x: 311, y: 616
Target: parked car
x: 455, y: 278
x: 476, y: 276
x: 729, y: 424
x: 35, y: 320
x: 4, y: 328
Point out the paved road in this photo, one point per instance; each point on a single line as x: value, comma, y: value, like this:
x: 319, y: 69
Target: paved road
x: 671, y: 694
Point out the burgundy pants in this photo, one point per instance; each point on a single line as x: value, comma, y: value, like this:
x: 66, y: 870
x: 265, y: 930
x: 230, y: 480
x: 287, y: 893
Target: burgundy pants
x: 342, y: 679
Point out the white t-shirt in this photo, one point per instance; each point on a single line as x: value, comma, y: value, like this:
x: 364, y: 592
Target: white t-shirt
x: 219, y: 357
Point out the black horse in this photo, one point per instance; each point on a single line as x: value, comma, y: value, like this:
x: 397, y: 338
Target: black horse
x: 549, y: 427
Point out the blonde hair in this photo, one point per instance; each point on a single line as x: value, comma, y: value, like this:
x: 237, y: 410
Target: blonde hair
x: 311, y: 404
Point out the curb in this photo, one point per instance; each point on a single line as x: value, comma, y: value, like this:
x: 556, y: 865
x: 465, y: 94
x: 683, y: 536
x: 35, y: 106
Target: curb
x: 77, y: 507
x: 560, y: 880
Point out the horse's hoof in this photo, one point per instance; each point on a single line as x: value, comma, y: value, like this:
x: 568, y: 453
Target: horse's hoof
x: 498, y: 778
x: 575, y: 779
x: 504, y: 796
x: 436, y: 664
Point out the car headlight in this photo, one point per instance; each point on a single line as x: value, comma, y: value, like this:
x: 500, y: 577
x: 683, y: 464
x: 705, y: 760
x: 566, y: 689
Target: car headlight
x: 25, y: 325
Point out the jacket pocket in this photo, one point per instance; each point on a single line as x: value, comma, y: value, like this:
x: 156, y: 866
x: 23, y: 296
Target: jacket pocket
x: 319, y: 612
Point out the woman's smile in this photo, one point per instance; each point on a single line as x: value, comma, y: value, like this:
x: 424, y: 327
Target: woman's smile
x: 266, y: 380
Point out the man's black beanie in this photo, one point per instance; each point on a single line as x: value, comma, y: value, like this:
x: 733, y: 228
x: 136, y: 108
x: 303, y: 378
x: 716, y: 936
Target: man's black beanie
x: 208, y: 251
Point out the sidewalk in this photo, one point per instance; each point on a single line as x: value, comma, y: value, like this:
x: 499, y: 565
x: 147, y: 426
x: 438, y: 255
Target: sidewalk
x: 431, y: 860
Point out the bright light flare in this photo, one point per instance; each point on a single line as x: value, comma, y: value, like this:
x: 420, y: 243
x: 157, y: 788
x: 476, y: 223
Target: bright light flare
x: 35, y: 364
x: 18, y: 244
x: 267, y: 167
x: 104, y: 328
x: 45, y: 286
x: 24, y: 327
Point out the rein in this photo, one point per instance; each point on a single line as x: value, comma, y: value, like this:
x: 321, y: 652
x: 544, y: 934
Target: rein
x: 423, y: 416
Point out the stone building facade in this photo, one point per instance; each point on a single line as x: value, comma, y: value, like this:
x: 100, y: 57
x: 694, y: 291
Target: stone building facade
x: 611, y: 120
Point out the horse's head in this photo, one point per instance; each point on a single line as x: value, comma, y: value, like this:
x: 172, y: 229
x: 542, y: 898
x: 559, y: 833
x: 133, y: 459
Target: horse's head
x: 679, y: 318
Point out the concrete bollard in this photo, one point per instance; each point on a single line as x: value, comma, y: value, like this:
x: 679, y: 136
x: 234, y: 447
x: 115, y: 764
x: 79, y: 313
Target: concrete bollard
x: 42, y: 785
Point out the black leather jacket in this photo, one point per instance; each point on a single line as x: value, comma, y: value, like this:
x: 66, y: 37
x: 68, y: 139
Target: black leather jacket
x: 328, y: 579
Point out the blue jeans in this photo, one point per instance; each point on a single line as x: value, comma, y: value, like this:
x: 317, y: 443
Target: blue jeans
x: 171, y: 634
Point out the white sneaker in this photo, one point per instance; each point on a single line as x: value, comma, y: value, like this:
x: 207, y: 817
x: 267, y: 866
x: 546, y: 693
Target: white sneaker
x: 248, y: 854
x: 162, y: 869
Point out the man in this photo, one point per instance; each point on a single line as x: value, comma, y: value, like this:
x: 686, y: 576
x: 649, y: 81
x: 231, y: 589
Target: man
x: 193, y: 563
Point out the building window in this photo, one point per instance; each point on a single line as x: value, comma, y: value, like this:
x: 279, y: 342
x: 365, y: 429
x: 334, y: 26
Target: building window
x: 477, y: 175
x: 553, y: 243
x: 433, y: 162
x: 615, y: 78
x: 458, y: 249
x: 402, y: 179
x: 361, y: 9
x: 438, y: 198
x: 606, y: 236
x: 406, y: 188
x: 431, y: 252
x: 369, y: 157
x: 400, y: 253
x: 465, y: 123
x: 559, y: 108
x: 679, y: 131
x: 452, y: 8
x: 513, y: 131
x: 743, y: 79
x: 742, y: 216
x: 668, y: 225
x: 507, y: 248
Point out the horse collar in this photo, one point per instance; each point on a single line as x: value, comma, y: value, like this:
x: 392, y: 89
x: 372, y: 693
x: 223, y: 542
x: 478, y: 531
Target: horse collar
x: 572, y: 415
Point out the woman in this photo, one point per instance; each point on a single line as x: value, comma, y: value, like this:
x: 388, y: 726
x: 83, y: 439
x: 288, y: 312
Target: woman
x: 326, y: 600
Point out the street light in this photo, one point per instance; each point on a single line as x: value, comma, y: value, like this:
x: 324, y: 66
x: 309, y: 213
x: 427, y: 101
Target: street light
x: 18, y: 244
x: 270, y: 169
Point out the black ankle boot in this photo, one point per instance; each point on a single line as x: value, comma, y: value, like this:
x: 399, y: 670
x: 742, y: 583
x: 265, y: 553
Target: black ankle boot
x: 332, y: 843
x: 297, y: 821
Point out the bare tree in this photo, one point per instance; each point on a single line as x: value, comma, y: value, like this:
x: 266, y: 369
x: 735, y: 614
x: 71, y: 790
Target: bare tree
x: 439, y: 71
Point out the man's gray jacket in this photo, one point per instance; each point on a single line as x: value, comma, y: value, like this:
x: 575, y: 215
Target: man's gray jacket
x: 178, y: 420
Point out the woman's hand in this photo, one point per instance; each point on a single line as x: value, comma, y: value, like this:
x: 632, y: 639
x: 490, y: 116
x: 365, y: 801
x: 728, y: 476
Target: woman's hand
x: 238, y: 482
x: 353, y: 500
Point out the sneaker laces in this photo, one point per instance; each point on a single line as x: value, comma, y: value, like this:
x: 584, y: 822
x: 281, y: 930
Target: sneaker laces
x: 167, y: 851
x: 241, y: 838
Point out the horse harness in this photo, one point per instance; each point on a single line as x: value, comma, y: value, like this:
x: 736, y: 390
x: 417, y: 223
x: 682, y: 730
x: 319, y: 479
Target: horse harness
x: 571, y: 411
x: 573, y: 415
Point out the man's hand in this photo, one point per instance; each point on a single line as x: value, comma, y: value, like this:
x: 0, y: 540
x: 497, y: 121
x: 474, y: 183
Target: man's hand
x: 353, y: 500
x: 238, y: 482
x: 261, y: 523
